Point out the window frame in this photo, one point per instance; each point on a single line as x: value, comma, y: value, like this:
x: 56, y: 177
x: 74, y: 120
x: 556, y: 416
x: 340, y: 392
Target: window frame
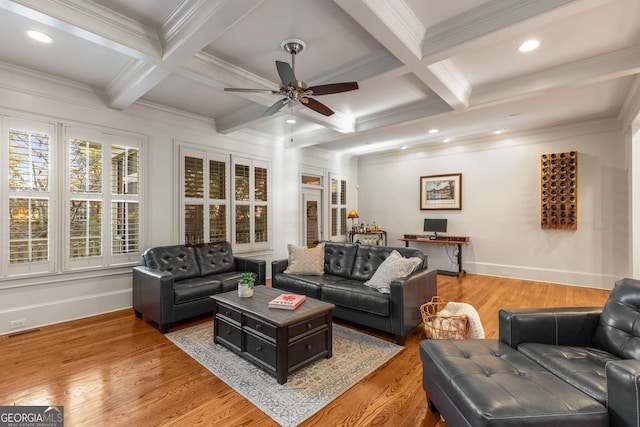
x: 339, y: 222
x: 7, y: 269
x: 183, y: 149
x: 107, y: 140
x: 206, y: 202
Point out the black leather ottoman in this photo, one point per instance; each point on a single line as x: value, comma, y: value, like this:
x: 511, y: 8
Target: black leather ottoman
x: 488, y: 383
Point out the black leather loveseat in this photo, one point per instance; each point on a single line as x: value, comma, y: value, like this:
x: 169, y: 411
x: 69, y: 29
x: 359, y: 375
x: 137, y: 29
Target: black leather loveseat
x: 174, y: 282
x: 560, y: 367
x: 346, y: 268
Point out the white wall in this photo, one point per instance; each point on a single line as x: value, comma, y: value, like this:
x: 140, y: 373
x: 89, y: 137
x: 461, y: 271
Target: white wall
x: 51, y: 299
x: 500, y: 204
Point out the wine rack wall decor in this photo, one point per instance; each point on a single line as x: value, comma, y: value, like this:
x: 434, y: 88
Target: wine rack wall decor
x: 559, y: 191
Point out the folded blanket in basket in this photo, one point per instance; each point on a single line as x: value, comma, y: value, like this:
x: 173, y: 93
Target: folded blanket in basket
x: 464, y: 309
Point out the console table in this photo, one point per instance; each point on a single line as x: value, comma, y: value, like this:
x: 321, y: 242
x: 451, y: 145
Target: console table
x: 458, y: 241
x: 380, y: 233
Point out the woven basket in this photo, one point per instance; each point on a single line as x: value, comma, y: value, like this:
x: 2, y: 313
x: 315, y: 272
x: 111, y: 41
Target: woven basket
x: 437, y: 326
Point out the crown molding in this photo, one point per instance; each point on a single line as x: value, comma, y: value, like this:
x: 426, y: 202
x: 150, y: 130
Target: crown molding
x: 94, y: 23
x: 630, y: 111
x: 485, y: 19
x: 400, y: 19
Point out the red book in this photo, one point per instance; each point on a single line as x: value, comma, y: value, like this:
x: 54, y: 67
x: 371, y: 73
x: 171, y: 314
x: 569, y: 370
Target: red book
x: 287, y: 301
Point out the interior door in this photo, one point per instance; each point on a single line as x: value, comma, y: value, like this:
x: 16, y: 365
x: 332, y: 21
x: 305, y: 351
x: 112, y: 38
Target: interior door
x: 312, y: 212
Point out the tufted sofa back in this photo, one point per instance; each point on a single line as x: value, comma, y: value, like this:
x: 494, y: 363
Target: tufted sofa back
x: 619, y: 329
x: 359, y: 262
x: 215, y: 258
x: 339, y: 258
x: 187, y: 262
x: 178, y: 260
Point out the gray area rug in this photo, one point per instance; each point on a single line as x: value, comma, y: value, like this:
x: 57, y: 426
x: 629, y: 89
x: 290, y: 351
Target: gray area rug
x: 355, y: 355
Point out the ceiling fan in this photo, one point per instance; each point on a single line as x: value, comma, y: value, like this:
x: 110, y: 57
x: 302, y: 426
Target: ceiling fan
x: 294, y: 90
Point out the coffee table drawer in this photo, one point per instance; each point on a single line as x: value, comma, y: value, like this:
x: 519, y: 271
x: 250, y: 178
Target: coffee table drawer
x: 308, y: 325
x: 228, y: 333
x: 308, y: 348
x: 260, y: 327
x: 262, y: 350
x: 228, y: 312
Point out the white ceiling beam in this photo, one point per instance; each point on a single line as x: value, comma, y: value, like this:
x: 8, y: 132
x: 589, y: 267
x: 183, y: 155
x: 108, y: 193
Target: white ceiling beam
x: 607, y: 66
x: 404, y: 115
x: 93, y: 23
x: 395, y: 26
x: 196, y: 24
x: 451, y: 37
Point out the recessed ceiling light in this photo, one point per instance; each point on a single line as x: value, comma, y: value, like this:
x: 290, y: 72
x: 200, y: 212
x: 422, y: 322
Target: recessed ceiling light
x: 498, y: 132
x: 39, y: 36
x: 404, y: 147
x: 291, y: 121
x: 446, y: 140
x: 433, y: 131
x: 529, y: 45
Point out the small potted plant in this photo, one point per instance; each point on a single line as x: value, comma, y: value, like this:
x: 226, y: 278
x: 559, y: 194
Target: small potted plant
x: 245, y: 285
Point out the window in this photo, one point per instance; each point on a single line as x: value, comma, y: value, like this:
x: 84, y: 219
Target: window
x: 30, y: 190
x: 218, y: 208
x: 197, y: 168
x: 102, y: 199
x: 338, y: 206
x: 251, y: 203
x: 92, y: 219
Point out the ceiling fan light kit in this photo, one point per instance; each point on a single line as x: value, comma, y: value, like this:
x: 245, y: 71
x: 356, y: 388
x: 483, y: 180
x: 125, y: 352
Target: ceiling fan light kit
x: 294, y: 90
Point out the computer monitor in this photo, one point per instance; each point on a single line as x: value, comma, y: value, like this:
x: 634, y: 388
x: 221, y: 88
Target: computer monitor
x: 435, y: 225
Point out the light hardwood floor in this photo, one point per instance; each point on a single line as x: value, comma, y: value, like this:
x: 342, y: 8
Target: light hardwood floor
x: 117, y: 370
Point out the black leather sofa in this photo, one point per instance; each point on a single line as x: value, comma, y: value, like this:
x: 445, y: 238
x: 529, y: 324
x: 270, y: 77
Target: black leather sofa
x: 346, y: 268
x: 174, y: 282
x: 560, y: 367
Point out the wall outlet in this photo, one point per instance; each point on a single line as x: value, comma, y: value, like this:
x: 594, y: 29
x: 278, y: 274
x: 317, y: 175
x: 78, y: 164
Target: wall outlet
x: 15, y: 324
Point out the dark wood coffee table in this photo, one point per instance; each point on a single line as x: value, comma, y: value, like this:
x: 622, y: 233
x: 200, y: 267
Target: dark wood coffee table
x: 278, y: 341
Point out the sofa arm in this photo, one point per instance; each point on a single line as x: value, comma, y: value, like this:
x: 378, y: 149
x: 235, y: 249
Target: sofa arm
x: 572, y: 326
x: 623, y: 401
x: 278, y: 266
x: 257, y: 266
x: 407, y: 295
x: 153, y: 295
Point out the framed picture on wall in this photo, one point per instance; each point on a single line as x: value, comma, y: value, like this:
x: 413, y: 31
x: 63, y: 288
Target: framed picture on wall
x: 441, y: 191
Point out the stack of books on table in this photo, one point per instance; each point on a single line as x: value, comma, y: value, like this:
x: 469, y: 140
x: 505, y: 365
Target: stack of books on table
x: 287, y: 301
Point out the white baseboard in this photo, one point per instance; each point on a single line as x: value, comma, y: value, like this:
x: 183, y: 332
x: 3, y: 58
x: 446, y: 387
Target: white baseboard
x: 63, y: 310
x: 565, y: 277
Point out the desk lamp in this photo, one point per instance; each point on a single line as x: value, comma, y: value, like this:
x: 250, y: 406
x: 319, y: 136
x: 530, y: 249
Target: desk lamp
x: 353, y: 215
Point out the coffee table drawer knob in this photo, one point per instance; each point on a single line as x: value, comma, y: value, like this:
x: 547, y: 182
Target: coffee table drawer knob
x: 259, y: 349
x: 309, y: 325
x: 258, y: 327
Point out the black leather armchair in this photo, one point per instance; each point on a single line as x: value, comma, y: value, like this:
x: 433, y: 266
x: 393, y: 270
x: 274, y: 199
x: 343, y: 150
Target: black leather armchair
x: 174, y: 282
x: 595, y: 351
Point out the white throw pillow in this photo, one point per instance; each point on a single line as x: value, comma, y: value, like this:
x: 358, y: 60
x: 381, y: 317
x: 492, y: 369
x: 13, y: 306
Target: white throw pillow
x: 392, y: 268
x: 303, y: 260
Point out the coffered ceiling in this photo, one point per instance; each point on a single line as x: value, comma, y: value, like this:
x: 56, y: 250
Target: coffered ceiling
x: 421, y: 64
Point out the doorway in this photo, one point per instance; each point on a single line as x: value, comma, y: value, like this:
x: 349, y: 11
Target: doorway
x: 312, y: 211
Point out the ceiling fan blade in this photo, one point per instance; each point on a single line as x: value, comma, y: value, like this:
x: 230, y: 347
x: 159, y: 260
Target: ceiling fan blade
x: 286, y: 74
x: 276, y: 107
x: 265, y: 91
x: 333, y: 88
x: 316, y: 106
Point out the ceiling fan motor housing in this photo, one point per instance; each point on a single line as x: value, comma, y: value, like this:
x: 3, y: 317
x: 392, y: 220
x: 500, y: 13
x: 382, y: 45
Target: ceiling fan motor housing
x: 293, y: 46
